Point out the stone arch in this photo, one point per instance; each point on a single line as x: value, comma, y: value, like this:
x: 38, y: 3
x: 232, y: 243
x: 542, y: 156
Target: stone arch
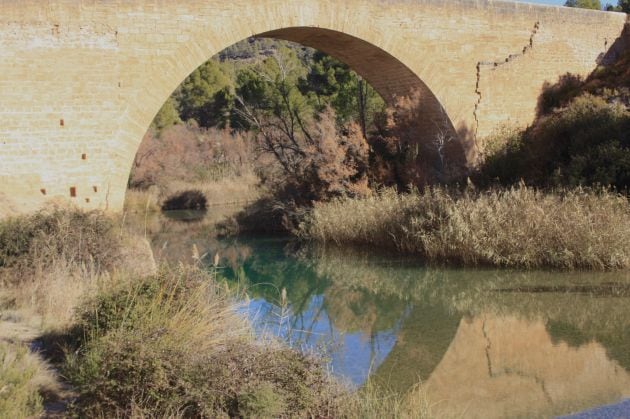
x: 389, y: 76
x: 86, y: 77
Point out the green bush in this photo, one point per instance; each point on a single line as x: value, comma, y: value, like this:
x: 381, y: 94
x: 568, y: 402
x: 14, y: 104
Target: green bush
x: 587, y: 143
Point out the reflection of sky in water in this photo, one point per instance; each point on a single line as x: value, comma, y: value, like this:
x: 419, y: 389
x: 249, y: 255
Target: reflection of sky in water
x: 351, y: 355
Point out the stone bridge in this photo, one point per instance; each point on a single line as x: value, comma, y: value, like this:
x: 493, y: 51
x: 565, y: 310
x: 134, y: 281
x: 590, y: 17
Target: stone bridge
x: 81, y: 80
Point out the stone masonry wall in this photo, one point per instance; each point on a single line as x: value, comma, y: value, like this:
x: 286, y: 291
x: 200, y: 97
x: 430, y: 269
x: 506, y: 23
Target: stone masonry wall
x: 81, y: 80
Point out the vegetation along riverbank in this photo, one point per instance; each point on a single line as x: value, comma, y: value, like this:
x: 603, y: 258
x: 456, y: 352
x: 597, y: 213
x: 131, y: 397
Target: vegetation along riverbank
x: 120, y: 336
x: 547, y: 196
x: 519, y: 227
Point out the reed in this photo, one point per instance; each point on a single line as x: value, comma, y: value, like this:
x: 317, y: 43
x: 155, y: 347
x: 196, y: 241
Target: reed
x: 518, y: 227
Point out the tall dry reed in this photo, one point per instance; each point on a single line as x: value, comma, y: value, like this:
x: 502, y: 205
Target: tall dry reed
x: 518, y: 227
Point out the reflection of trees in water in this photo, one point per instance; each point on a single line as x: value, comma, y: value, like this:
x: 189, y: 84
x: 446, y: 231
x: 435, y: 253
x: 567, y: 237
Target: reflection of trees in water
x: 172, y: 240
x: 580, y: 307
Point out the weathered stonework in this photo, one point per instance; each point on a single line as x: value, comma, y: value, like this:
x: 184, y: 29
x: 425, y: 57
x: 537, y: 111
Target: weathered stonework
x: 81, y: 80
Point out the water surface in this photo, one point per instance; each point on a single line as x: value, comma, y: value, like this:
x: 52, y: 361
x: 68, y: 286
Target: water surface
x: 481, y: 343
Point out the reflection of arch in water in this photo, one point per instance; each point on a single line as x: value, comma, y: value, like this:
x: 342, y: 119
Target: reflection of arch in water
x: 505, y: 366
x: 423, y: 339
x: 454, y: 314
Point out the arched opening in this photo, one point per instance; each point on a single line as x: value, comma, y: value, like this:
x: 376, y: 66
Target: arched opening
x: 425, y: 136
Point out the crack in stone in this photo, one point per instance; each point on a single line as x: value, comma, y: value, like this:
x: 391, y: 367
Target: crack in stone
x: 488, y: 347
x: 495, y: 64
x: 508, y: 371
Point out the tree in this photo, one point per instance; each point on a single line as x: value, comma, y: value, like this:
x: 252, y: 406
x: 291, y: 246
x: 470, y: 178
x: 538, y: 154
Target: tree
x: 315, y: 160
x: 622, y: 6
x: 584, y: 4
x: 207, y: 96
x: 166, y: 117
x: 332, y: 83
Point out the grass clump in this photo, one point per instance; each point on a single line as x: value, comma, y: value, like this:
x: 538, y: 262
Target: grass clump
x: 375, y: 402
x: 519, y: 227
x: 173, y: 344
x: 19, y: 387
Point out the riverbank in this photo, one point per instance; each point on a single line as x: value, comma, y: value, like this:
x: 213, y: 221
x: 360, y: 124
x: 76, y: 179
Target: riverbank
x: 82, y: 302
x: 518, y: 227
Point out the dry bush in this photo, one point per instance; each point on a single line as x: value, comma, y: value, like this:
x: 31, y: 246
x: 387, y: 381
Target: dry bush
x: 33, y: 243
x: 318, y: 162
x: 53, y: 258
x: 217, y: 163
x: 191, y: 154
x: 174, y: 343
x: 517, y: 227
x: 402, y: 157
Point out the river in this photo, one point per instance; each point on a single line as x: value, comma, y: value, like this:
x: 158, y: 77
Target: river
x: 474, y: 342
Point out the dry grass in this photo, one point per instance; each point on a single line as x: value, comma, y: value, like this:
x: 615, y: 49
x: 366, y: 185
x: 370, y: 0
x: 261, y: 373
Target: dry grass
x: 226, y: 191
x: 168, y: 344
x: 50, y: 260
x: 19, y: 389
x: 517, y: 227
x: 141, y: 201
x: 373, y: 402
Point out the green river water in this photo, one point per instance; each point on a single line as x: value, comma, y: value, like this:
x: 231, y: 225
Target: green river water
x: 475, y: 342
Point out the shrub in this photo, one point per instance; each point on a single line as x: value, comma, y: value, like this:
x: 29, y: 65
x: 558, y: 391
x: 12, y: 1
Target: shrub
x: 173, y: 344
x: 190, y: 154
x: 77, y: 237
x: 586, y: 143
x: 186, y: 200
x: 560, y: 93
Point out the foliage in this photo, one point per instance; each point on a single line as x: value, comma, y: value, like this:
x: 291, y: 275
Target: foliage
x: 207, y: 95
x: 586, y: 143
x: 610, y: 82
x: 517, y: 227
x: 559, y: 94
x: 186, y: 200
x: 166, y: 117
x: 401, y: 158
x: 584, y: 4
x: 190, y: 154
x: 622, y: 6
x: 19, y: 392
x: 314, y: 159
x: 172, y: 344
x: 331, y: 83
